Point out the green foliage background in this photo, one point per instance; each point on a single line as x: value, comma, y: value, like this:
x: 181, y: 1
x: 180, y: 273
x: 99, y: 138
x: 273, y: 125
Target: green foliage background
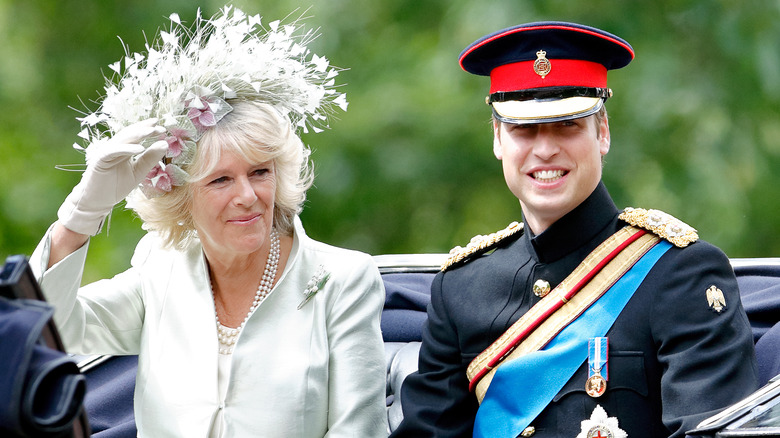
x: 695, y: 118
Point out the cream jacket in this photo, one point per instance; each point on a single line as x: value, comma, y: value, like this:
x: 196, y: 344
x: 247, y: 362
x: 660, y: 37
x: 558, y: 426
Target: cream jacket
x: 314, y: 372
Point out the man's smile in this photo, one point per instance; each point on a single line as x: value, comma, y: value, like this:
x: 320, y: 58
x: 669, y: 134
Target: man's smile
x: 547, y: 176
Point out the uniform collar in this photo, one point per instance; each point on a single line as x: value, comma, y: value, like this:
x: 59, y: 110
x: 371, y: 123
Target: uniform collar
x: 576, y: 228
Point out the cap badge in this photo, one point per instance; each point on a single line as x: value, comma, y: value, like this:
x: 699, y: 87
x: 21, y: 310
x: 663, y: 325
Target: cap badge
x: 715, y: 299
x: 542, y: 65
x: 601, y: 426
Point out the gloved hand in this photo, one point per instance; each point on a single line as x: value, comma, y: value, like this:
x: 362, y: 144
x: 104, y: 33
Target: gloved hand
x: 114, y: 168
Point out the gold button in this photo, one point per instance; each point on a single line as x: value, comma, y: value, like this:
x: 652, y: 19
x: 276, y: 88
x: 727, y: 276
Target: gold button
x: 528, y: 431
x: 541, y: 288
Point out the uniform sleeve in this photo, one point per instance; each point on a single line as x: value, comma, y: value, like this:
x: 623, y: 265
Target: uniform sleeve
x: 356, y: 385
x: 436, y: 401
x: 104, y: 317
x: 707, y: 355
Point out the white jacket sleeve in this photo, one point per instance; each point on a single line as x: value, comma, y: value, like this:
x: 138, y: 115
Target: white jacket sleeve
x: 104, y: 317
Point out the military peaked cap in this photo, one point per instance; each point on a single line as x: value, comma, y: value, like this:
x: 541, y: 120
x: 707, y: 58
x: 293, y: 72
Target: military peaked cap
x: 546, y: 71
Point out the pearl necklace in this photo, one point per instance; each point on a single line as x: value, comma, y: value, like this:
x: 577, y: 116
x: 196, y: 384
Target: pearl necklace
x: 227, y: 335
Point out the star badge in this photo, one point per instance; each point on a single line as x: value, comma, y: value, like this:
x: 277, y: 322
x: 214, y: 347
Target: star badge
x: 601, y: 426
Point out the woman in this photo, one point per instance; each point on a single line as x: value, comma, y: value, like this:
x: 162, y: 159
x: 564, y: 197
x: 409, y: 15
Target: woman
x: 243, y: 325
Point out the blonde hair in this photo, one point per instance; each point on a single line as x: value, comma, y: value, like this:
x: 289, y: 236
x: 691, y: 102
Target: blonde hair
x: 255, y: 132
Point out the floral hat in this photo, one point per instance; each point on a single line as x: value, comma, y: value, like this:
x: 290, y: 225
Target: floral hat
x: 186, y: 77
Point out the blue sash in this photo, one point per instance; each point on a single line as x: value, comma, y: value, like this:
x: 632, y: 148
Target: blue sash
x: 523, y: 387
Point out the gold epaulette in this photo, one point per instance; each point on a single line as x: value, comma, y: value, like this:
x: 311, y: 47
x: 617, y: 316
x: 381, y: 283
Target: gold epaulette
x: 480, y: 244
x: 662, y: 224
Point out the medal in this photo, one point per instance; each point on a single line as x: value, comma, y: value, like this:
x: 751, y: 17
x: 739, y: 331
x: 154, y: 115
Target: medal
x: 595, y: 386
x: 598, y: 355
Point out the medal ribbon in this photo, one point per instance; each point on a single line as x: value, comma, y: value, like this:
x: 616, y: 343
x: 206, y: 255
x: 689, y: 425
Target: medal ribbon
x: 598, y: 355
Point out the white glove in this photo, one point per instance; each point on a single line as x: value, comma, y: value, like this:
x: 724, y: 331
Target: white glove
x: 114, y: 168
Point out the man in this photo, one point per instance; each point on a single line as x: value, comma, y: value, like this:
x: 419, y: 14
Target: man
x: 584, y: 321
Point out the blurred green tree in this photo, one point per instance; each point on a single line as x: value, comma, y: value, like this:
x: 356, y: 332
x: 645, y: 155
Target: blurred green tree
x: 409, y: 168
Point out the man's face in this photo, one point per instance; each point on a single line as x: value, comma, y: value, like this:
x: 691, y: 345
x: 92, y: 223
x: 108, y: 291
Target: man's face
x: 551, y: 167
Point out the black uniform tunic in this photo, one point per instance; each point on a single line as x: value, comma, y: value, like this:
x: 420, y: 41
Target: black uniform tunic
x: 673, y: 360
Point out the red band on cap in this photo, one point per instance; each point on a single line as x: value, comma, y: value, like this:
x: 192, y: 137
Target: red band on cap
x: 564, y: 73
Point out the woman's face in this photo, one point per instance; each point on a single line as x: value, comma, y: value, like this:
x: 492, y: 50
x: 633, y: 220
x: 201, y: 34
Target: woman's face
x: 233, y: 207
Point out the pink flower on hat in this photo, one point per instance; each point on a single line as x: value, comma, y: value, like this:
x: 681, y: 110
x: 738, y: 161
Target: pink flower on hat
x: 175, y: 146
x: 200, y: 113
x: 158, y: 180
x: 161, y: 180
x: 179, y: 140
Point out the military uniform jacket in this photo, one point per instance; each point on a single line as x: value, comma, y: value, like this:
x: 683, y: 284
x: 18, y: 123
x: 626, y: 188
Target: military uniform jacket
x: 673, y: 359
